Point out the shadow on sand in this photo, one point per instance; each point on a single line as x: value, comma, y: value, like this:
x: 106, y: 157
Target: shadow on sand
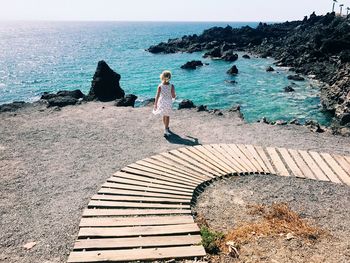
x: 176, y: 139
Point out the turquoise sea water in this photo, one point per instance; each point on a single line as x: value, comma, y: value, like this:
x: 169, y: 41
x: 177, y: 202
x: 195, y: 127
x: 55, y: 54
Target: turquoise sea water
x: 51, y: 56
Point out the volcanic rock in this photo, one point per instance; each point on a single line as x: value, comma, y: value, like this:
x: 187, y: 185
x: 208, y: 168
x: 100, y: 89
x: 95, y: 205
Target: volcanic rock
x: 192, y: 64
x: 233, y: 70
x: 127, y: 101
x: 186, y: 104
x: 105, y: 84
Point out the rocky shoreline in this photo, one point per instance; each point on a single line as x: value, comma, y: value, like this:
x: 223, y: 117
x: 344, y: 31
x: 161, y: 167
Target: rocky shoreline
x: 317, y: 47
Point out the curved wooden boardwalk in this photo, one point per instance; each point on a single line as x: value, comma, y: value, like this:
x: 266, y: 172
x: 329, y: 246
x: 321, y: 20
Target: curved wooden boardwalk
x: 143, y: 211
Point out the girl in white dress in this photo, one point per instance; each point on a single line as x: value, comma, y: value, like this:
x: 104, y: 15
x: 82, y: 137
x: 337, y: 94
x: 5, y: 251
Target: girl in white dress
x: 164, y: 100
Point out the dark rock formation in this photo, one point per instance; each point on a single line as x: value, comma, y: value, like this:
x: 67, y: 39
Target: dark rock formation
x: 202, y: 108
x: 296, y: 77
x: 105, y: 84
x: 314, y: 126
x: 62, y: 98
x: 289, y: 89
x: 246, y: 56
x: 148, y: 102
x: 10, y: 107
x: 192, y: 64
x: 232, y: 82
x: 233, y: 70
x: 316, y: 45
x: 127, y: 101
x: 61, y: 101
x: 214, y: 53
x: 186, y: 104
x: 235, y: 108
x: 270, y: 69
x: 76, y: 94
x: 229, y: 56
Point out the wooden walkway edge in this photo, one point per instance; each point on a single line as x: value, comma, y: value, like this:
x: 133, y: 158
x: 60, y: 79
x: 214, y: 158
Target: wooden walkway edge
x: 143, y: 212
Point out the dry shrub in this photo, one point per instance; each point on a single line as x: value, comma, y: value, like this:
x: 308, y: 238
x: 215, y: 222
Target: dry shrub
x: 276, y: 220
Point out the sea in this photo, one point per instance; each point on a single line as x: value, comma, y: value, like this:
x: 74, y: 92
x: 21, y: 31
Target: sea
x: 37, y: 57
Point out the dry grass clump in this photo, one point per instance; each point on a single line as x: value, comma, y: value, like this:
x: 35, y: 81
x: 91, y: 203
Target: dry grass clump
x: 277, y: 220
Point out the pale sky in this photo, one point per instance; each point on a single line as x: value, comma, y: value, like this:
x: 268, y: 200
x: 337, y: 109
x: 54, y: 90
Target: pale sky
x: 161, y: 10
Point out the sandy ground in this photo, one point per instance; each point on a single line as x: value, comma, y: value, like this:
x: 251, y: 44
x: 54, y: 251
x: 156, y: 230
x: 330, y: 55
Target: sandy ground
x: 52, y: 162
x: 225, y: 205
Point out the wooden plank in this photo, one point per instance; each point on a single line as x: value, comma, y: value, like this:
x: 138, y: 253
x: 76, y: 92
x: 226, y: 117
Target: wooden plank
x: 222, y: 155
x: 136, y: 221
x: 205, y: 175
x: 149, y: 184
x: 165, y: 176
x: 319, y: 174
x: 112, y: 191
x: 290, y: 162
x: 200, y: 158
x: 233, y: 162
x: 344, y: 177
x: 177, y: 165
x: 137, y: 231
x: 137, y: 242
x: 325, y: 168
x: 136, y: 254
x: 151, y: 180
x: 266, y: 160
x: 250, y: 157
x: 244, y: 168
x: 193, y: 161
x: 209, y: 159
x: 147, y: 169
x: 166, y: 167
x: 209, y: 154
x: 243, y: 158
x: 301, y: 164
x: 146, y: 189
x: 140, y: 199
x: 276, y: 160
x: 257, y: 157
x: 347, y: 158
x: 97, y: 203
x: 132, y: 212
x: 343, y: 163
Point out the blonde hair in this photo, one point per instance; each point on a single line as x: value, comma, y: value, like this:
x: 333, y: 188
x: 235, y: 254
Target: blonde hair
x: 165, y: 76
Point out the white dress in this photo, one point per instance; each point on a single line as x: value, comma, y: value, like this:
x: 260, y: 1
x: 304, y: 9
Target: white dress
x: 165, y: 102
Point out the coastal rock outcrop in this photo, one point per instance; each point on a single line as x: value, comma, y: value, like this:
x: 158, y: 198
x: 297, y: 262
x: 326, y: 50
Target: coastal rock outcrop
x: 127, y: 101
x: 62, y: 98
x: 246, y: 56
x: 186, y: 104
x: 270, y: 69
x: 233, y: 70
x: 317, y: 46
x: 295, y: 78
x: 229, y: 56
x: 9, y: 107
x: 192, y: 64
x: 105, y: 84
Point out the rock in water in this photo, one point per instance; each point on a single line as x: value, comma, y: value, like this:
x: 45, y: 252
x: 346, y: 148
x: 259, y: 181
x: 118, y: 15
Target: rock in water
x: 192, y: 64
x: 105, y: 84
x: 127, y: 101
x: 229, y: 56
x: 296, y: 77
x: 288, y: 89
x: 270, y: 69
x: 246, y: 56
x: 233, y: 70
x: 186, y: 104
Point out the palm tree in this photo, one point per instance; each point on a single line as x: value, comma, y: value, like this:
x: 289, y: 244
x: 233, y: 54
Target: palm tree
x: 334, y: 1
x: 341, y: 8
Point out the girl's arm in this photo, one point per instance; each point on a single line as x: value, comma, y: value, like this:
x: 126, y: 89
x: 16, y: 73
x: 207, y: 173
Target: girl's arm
x: 173, y: 94
x: 157, y: 97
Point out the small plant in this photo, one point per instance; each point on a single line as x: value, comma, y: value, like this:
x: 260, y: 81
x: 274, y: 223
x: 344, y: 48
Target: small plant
x: 211, y: 240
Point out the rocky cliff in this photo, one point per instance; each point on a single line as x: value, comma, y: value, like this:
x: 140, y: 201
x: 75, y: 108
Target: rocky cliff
x: 318, y: 46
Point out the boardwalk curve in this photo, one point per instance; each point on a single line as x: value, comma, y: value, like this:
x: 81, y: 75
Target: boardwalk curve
x: 143, y: 212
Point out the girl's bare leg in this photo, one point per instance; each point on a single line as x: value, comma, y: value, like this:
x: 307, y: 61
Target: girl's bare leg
x: 166, y: 123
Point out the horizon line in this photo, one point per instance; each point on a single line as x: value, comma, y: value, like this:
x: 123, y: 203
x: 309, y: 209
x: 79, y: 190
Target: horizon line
x: 142, y: 21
